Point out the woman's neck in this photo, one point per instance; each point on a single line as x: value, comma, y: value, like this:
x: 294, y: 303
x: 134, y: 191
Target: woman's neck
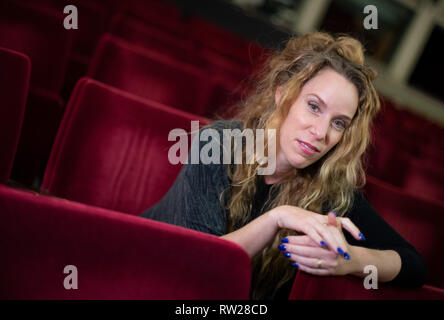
x: 282, y: 167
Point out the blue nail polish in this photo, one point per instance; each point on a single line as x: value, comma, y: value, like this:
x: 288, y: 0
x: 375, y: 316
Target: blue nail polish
x: 295, y: 265
x: 340, y: 251
x: 346, y: 256
x: 287, y: 254
x: 361, y: 236
x: 282, y: 247
x: 334, y: 212
x: 284, y: 240
x: 323, y: 244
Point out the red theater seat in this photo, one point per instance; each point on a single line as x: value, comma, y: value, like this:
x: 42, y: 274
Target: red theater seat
x: 423, y: 177
x: 151, y: 75
x: 224, y: 41
x: 425, y: 180
x: 153, y: 38
x: 93, y: 16
x: 117, y: 256
x: 179, y: 47
x: 157, y: 13
x: 419, y: 221
x: 386, y: 162
x: 93, y: 19
x: 433, y: 152
x: 308, y: 287
x: 38, y: 32
x: 400, y: 129
x: 112, y: 148
x: 14, y: 82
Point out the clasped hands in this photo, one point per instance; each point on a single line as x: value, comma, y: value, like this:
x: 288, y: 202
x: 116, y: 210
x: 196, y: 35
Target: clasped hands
x: 322, y: 250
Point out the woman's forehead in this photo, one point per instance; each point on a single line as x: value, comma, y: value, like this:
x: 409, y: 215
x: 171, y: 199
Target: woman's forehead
x: 333, y: 90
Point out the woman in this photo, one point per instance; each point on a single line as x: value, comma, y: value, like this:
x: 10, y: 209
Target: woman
x: 319, y: 97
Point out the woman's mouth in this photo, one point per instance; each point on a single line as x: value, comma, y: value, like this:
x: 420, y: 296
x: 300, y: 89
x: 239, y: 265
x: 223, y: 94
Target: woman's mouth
x: 307, y: 148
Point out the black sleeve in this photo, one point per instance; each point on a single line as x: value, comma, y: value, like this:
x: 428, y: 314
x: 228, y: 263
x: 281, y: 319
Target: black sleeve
x: 194, y: 199
x: 380, y: 235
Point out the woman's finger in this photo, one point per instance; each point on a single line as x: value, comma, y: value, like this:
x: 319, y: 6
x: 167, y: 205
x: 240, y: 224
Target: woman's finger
x: 332, y: 220
x: 345, y: 223
x: 300, y: 240
x: 315, y: 263
x: 330, y: 240
x: 316, y: 237
x: 348, y: 225
x: 309, y: 252
x: 337, y: 234
x: 314, y: 271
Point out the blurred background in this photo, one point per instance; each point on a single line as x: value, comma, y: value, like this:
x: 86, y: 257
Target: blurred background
x: 406, y: 48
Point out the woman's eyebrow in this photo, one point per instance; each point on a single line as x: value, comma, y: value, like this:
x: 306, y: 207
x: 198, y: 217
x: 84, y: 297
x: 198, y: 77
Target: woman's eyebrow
x: 325, y: 105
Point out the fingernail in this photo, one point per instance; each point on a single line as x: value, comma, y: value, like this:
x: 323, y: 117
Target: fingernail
x: 282, y: 247
x: 287, y: 254
x: 361, y: 236
x: 284, y: 240
x: 333, y: 212
x: 323, y: 244
x: 295, y: 265
x: 340, y: 251
x: 346, y: 256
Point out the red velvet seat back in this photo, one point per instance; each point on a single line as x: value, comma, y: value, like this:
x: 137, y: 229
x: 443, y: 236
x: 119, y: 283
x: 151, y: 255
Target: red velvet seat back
x: 151, y: 75
x: 179, y: 47
x: 156, y: 39
x: 112, y: 148
x: 223, y: 41
x: 419, y: 221
x: 93, y: 16
x: 14, y: 82
x: 39, y: 33
x: 117, y: 256
x: 308, y: 287
x: 425, y: 179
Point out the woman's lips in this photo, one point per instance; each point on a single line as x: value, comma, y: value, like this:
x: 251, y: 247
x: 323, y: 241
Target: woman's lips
x: 307, y: 148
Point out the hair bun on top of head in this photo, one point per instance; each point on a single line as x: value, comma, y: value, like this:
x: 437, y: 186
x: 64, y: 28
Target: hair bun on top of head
x: 346, y: 46
x: 351, y: 49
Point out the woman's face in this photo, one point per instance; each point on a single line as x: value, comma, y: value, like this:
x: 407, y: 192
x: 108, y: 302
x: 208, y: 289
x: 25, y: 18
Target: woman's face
x: 317, y: 119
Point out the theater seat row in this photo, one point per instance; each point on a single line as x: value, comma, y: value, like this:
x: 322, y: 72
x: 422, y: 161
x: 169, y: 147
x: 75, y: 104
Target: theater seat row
x: 418, y: 176
x: 158, y: 77
x: 308, y: 287
x: 34, y: 27
x: 89, y: 107
x: 116, y: 256
x: 111, y: 151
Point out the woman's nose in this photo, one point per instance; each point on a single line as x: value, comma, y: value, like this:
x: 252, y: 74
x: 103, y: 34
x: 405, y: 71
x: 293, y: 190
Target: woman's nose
x: 320, y: 129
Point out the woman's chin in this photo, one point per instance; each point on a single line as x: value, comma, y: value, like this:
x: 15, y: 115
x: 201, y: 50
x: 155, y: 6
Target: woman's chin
x: 298, y: 164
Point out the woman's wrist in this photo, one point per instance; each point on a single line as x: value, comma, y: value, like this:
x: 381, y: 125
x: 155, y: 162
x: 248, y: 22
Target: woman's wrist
x: 276, y: 216
x: 355, y: 266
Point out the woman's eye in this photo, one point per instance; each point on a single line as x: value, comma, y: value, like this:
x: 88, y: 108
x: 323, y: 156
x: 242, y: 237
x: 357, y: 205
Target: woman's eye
x: 313, y: 106
x: 340, y: 124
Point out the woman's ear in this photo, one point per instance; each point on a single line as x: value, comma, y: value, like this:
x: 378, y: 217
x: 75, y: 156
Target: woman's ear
x: 278, y: 94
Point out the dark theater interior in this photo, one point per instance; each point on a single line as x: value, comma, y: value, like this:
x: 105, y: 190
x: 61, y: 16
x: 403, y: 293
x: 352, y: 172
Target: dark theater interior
x: 91, y: 89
